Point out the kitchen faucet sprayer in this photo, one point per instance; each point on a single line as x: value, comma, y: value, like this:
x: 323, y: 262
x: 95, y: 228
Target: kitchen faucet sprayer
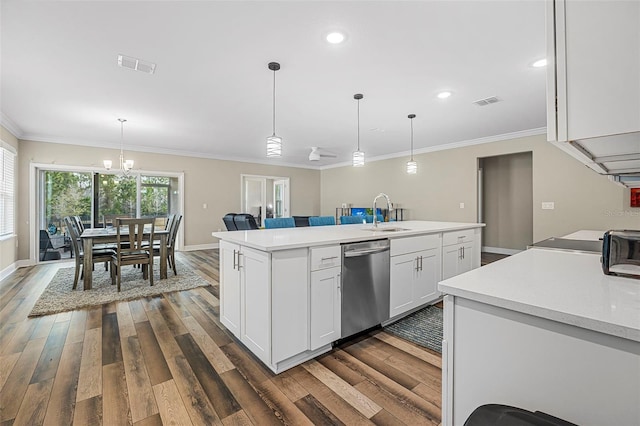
x: 389, y: 207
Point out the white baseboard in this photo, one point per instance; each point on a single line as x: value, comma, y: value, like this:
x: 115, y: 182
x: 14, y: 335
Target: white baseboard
x: 201, y: 247
x: 499, y: 250
x: 8, y: 271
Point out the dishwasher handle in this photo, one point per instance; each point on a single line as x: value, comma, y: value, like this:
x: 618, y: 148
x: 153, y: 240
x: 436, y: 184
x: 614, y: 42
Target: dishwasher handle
x: 365, y: 252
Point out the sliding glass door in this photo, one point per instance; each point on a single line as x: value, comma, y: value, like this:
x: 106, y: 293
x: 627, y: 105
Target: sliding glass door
x: 98, y: 198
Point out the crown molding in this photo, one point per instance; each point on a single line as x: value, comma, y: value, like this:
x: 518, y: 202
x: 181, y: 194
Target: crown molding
x: 11, y: 125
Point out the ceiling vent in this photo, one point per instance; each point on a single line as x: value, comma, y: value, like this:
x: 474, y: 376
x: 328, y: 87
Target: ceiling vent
x: 136, y: 64
x: 487, y: 101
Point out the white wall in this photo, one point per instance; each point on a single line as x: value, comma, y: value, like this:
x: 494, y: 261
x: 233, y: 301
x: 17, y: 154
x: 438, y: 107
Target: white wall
x: 583, y: 199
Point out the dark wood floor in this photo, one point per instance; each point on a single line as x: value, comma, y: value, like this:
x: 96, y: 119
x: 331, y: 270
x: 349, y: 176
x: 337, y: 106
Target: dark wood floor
x: 168, y: 360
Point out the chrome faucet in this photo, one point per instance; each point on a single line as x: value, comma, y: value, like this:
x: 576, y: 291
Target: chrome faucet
x: 389, y: 207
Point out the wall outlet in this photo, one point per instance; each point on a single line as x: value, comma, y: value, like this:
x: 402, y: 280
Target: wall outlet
x: 204, y: 205
x: 462, y: 205
x: 548, y: 205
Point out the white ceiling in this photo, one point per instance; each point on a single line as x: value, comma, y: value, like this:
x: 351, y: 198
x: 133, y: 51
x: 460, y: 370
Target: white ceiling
x: 211, y: 93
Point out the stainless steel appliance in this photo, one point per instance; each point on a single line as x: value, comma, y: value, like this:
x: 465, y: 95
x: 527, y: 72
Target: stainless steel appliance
x: 621, y: 253
x: 365, y: 285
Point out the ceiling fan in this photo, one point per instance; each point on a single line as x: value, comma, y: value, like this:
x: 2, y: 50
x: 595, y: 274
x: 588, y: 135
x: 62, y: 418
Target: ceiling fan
x: 317, y: 153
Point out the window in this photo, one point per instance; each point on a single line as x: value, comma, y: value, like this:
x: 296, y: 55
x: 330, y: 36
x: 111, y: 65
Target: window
x: 7, y: 191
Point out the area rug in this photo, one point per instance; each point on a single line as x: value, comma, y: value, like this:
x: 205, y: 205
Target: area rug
x: 423, y: 327
x: 59, y: 295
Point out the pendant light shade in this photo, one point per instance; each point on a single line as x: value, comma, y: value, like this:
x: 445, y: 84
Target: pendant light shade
x: 412, y: 166
x: 274, y: 143
x: 358, y: 156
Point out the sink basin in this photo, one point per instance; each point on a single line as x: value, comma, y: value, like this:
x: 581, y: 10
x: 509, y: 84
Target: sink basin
x: 386, y: 229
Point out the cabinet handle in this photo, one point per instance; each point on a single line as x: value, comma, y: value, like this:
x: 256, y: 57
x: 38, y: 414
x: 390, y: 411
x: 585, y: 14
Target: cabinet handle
x: 239, y: 254
x: 460, y: 253
x: 339, y: 281
x: 328, y: 258
x: 417, y: 263
x: 463, y: 252
x: 235, y: 265
x: 421, y: 263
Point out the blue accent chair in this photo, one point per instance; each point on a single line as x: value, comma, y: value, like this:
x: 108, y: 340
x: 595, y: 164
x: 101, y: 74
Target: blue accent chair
x: 369, y: 218
x: 322, y: 220
x: 349, y: 220
x: 279, y: 222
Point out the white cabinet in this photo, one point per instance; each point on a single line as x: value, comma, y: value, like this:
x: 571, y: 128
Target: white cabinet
x: 415, y: 272
x: 460, y: 252
x: 230, y: 287
x: 593, y: 81
x: 325, y: 297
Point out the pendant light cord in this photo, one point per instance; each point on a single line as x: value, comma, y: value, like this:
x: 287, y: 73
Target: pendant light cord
x: 358, y: 124
x: 412, y: 139
x: 274, y: 102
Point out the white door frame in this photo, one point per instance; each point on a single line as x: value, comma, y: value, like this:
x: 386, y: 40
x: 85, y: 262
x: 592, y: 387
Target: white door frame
x: 263, y: 179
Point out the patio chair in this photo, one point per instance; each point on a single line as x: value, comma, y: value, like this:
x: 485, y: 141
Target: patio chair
x: 47, y: 251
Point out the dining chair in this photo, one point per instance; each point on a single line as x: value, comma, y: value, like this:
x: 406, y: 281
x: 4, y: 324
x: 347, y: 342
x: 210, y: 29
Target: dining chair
x: 322, y: 220
x: 229, y: 223
x: 301, y: 221
x: 171, y: 244
x: 245, y: 222
x: 99, y: 255
x: 349, y: 220
x: 369, y: 218
x: 279, y: 222
x: 134, y: 253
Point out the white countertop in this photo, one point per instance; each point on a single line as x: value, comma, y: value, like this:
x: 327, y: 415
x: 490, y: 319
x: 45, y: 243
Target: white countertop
x: 562, y: 286
x: 288, y: 238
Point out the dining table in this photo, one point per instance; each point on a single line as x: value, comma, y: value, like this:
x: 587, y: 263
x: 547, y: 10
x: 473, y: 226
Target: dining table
x: 93, y: 236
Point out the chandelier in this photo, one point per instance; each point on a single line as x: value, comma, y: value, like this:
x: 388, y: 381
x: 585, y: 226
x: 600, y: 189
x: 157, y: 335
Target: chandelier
x: 125, y: 165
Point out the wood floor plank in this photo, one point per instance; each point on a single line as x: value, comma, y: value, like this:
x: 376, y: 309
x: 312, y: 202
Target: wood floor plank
x: 221, y: 398
x: 251, y: 403
x: 237, y: 419
x: 424, y: 354
x: 88, y: 412
x: 155, y: 362
x: 384, y: 418
x: 154, y: 420
x: 355, y: 398
x: 34, y: 404
x: 19, y: 379
x: 137, y: 311
x: 90, y: 378
x: 20, y: 336
x: 77, y: 326
x: 50, y: 357
x: 7, y: 362
x: 115, y: 399
x: 62, y: 404
x: 343, y: 371
x: 207, y: 322
x: 94, y: 318
x: 216, y: 357
x: 141, y: 400
x: 289, y: 386
x: 429, y: 375
x: 328, y: 398
x: 197, y: 403
x: 43, y: 328
x: 287, y: 411
x: 111, y: 348
x: 172, y: 411
x: 434, y: 396
x: 176, y: 303
x: 171, y: 318
x: 252, y: 369
x: 125, y: 320
x: 316, y: 412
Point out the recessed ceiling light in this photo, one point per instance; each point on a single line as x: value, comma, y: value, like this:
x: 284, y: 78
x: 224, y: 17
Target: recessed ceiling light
x: 335, y: 37
x: 540, y: 63
x: 444, y: 95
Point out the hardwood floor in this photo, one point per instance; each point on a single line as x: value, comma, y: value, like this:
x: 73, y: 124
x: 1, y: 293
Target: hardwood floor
x: 169, y: 360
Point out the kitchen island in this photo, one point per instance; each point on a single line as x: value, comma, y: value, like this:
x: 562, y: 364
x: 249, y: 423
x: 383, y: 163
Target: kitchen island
x: 543, y: 330
x: 280, y: 289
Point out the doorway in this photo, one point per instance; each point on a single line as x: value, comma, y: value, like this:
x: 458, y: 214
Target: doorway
x: 265, y: 196
x: 505, y: 197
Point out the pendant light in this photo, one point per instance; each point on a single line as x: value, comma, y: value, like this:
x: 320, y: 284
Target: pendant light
x: 358, y: 156
x: 412, y: 166
x: 274, y: 143
x: 125, y: 165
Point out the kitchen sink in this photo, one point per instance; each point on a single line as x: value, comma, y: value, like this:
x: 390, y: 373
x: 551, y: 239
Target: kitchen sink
x: 386, y: 229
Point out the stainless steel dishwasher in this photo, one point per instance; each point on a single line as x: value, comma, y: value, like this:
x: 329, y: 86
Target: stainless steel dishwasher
x: 365, y: 285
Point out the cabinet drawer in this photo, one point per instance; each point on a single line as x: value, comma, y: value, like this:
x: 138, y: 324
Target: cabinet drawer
x: 400, y: 246
x: 325, y: 257
x: 457, y: 237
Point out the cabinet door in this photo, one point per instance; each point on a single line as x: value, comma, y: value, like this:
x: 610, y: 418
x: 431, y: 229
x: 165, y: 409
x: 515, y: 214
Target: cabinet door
x: 427, y: 277
x: 230, y: 287
x: 403, y: 273
x: 450, y: 259
x: 325, y: 307
x: 466, y: 260
x: 255, y: 273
